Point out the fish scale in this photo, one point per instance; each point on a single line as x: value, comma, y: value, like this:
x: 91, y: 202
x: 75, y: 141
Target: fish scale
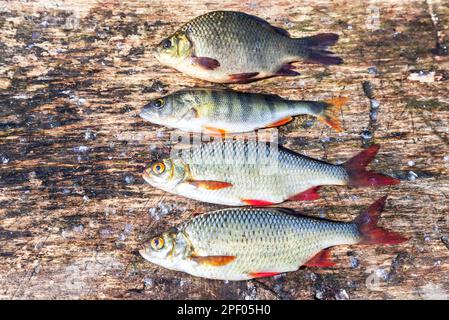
x: 240, y: 163
x: 237, y: 173
x: 261, y: 239
x: 229, y: 31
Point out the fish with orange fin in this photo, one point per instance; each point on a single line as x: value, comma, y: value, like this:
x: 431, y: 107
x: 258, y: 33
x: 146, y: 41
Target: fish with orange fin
x: 240, y: 172
x: 219, y: 112
x: 233, y: 47
x: 245, y: 243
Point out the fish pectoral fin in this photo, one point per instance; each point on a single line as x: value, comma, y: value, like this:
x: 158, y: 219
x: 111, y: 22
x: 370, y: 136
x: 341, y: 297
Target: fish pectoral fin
x: 215, y: 132
x: 242, y: 77
x: 206, y: 63
x: 321, y: 259
x: 309, y: 194
x: 210, y: 184
x: 215, y: 261
x: 254, y: 202
x: 280, y: 122
x: 263, y: 274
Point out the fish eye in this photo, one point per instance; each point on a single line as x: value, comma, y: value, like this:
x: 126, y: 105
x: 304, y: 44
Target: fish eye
x: 166, y: 44
x: 158, y: 168
x: 157, y: 243
x: 159, y: 103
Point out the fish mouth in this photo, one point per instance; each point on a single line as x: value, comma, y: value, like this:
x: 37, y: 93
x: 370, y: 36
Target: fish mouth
x: 144, y: 254
x: 145, y: 175
x: 145, y: 113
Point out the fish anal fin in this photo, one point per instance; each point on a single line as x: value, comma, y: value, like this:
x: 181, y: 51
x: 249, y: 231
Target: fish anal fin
x: 309, y: 194
x: 210, y: 184
x: 206, y: 63
x: 321, y: 259
x: 243, y: 77
x: 280, y: 122
x: 263, y: 274
x: 254, y: 202
x: 215, y: 261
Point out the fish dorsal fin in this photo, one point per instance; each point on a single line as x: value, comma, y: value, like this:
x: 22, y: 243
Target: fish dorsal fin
x: 270, y: 26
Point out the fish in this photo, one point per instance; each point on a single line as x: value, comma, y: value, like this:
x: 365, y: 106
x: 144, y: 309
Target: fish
x: 220, y: 112
x: 235, y: 47
x: 249, y: 172
x: 245, y: 243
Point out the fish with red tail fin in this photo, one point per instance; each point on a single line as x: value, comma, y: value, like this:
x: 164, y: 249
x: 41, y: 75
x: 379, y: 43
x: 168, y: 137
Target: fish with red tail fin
x: 245, y: 243
x: 256, y: 173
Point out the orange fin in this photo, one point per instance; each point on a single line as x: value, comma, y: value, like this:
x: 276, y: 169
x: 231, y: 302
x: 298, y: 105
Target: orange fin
x: 215, y: 261
x: 309, y: 194
x: 215, y: 132
x: 206, y: 63
x: 210, y: 184
x: 263, y: 274
x: 252, y: 202
x: 280, y: 122
x: 370, y: 232
x: 329, y: 115
x: 358, y: 176
x: 321, y: 259
x: 242, y: 77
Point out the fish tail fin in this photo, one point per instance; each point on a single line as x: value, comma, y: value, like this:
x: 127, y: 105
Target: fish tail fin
x: 358, y: 176
x: 329, y: 115
x: 317, y: 48
x: 370, y: 232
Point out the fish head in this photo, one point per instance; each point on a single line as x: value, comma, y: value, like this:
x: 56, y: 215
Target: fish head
x: 168, y: 249
x: 165, y: 174
x: 168, y: 110
x: 173, y: 50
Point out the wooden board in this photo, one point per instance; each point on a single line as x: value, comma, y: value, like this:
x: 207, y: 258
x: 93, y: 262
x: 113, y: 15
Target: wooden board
x: 74, y: 208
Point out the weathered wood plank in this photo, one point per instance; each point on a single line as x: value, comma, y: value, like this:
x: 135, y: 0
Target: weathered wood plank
x: 74, y: 209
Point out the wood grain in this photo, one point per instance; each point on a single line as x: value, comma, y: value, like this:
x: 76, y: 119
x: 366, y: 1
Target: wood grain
x: 74, y: 208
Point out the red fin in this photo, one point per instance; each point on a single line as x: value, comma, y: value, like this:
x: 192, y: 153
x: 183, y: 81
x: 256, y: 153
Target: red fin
x: 323, y: 57
x: 330, y: 113
x: 263, y: 274
x: 286, y: 70
x: 252, y: 202
x: 239, y: 77
x: 206, y: 63
x: 321, y: 259
x: 213, y: 260
x: 280, y: 122
x: 210, y: 184
x: 309, y: 194
x: 359, y: 176
x: 370, y: 232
